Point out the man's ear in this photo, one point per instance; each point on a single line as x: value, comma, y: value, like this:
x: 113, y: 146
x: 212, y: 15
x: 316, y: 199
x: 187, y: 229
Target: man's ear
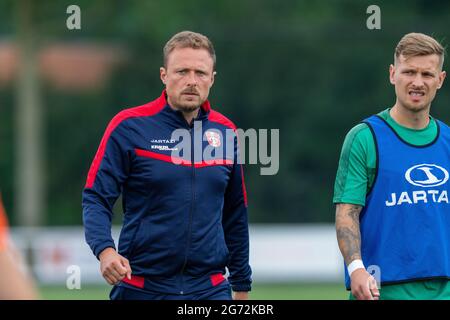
x: 392, y: 73
x: 163, y: 74
x: 213, y: 77
x: 442, y: 76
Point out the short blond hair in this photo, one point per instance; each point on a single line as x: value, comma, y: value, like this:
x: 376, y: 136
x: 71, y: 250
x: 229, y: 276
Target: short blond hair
x: 419, y: 44
x: 189, y: 39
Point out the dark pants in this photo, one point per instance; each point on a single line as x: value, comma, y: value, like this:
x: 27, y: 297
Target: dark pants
x: 219, y: 292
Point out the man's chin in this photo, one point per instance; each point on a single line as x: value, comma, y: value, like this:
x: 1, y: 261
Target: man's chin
x: 188, y: 107
x: 417, y: 108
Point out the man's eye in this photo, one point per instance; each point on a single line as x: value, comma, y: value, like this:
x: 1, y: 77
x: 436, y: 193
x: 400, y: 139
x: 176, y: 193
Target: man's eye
x: 181, y: 72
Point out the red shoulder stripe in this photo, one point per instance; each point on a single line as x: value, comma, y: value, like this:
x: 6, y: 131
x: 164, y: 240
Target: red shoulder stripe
x: 145, y: 110
x: 215, y: 116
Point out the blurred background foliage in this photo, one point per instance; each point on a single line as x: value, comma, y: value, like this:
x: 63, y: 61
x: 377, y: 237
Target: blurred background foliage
x: 309, y: 68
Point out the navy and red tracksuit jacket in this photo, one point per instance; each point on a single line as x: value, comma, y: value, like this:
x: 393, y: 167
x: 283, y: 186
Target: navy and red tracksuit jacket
x: 183, y: 223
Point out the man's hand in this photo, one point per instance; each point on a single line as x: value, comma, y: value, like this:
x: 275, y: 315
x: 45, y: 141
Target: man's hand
x: 113, y: 266
x: 364, y: 286
x: 240, y: 295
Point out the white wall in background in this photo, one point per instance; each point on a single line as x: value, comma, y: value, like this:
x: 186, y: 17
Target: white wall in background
x: 278, y: 253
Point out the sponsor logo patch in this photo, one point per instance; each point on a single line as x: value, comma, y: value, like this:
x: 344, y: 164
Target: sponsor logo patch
x: 426, y: 175
x: 213, y: 138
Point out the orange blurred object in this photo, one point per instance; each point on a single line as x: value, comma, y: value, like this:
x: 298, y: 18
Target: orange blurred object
x: 3, y: 227
x: 15, y: 281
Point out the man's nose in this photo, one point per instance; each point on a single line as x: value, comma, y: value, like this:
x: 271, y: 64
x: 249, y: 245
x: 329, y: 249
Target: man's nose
x: 191, y: 79
x: 418, y: 80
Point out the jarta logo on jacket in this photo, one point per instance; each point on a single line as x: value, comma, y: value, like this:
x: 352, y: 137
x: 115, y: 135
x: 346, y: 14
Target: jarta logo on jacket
x: 424, y: 176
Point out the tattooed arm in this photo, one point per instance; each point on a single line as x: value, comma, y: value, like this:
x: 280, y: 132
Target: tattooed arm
x: 347, y: 231
x: 349, y: 240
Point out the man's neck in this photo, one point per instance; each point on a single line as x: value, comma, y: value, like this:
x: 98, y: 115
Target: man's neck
x: 410, y: 119
x: 190, y: 116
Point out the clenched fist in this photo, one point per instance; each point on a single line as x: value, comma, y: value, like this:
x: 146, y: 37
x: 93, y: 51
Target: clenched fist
x: 113, y: 266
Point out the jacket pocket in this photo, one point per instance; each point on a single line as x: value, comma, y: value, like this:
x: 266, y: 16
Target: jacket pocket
x: 222, y: 252
x: 132, y: 246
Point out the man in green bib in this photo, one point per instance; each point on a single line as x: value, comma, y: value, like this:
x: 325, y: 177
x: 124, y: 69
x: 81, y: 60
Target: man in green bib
x: 391, y: 188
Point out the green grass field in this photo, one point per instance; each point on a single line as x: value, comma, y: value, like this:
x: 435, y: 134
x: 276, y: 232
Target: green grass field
x: 294, y: 291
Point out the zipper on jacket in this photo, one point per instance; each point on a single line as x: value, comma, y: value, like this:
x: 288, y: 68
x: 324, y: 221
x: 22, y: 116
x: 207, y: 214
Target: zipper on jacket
x: 191, y: 213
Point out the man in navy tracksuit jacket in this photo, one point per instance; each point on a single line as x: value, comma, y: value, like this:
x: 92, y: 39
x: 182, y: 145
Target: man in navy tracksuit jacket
x: 185, y: 216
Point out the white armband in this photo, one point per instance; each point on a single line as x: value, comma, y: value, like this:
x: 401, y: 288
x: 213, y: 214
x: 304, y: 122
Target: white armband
x: 356, y: 264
